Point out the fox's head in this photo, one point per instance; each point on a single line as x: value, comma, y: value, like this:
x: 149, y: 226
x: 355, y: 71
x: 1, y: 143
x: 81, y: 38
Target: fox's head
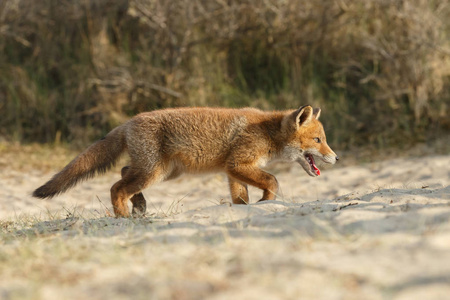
x: 306, y: 140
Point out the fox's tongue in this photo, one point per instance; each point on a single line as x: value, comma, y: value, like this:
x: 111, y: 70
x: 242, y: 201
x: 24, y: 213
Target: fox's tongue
x: 311, y: 162
x: 316, y: 170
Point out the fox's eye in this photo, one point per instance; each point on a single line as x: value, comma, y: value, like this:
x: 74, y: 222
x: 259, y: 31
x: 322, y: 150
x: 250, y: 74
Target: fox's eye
x: 317, y: 140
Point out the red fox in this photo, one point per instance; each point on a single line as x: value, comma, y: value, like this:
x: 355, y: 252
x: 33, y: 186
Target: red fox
x: 163, y: 144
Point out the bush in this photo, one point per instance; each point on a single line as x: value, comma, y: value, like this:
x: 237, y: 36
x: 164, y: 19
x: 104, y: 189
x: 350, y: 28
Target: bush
x: 380, y: 70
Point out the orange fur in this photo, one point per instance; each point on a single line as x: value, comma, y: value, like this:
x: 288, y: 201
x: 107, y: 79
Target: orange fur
x: 164, y: 144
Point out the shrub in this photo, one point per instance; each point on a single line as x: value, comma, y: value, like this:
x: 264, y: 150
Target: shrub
x: 74, y: 69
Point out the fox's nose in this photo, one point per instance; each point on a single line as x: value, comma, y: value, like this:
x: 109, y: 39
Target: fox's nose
x: 337, y: 158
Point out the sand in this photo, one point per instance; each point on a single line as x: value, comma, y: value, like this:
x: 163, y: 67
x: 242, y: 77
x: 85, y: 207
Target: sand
x: 377, y: 230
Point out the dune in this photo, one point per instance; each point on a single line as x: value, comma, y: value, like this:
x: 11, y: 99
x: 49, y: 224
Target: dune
x: 369, y: 231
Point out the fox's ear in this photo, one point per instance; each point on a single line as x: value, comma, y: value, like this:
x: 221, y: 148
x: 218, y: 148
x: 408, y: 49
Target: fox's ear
x: 303, y: 115
x: 316, y: 113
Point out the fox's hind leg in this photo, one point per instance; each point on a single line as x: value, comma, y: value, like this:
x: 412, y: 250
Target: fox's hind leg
x: 138, y: 200
x: 133, y: 182
x: 238, y: 191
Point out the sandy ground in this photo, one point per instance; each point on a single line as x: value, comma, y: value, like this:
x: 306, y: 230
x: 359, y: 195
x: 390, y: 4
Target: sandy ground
x: 371, y: 231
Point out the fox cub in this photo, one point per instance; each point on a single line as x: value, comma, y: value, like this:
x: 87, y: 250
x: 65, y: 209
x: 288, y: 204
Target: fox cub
x: 164, y: 144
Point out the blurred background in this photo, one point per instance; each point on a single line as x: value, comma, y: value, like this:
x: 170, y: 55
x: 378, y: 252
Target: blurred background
x: 72, y: 70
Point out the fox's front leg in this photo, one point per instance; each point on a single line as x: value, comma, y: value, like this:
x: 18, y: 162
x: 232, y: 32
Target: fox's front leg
x: 255, y: 176
x: 138, y: 200
x: 238, y: 191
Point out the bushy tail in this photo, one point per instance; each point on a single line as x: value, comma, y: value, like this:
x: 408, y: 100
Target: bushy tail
x: 96, y: 159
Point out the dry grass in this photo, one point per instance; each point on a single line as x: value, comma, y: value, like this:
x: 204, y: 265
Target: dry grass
x: 14, y: 156
x: 379, y: 69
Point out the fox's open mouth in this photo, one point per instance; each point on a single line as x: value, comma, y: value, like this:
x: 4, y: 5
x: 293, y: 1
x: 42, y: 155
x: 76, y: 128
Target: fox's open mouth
x: 310, y: 159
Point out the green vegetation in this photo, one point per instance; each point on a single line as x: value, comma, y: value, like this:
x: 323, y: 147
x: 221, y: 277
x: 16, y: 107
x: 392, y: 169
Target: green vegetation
x: 72, y: 70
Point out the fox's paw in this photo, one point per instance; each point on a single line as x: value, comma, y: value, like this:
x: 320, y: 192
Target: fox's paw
x: 139, y: 205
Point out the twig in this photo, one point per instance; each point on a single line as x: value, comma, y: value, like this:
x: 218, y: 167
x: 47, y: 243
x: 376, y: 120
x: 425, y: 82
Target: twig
x: 108, y: 212
x: 344, y: 206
